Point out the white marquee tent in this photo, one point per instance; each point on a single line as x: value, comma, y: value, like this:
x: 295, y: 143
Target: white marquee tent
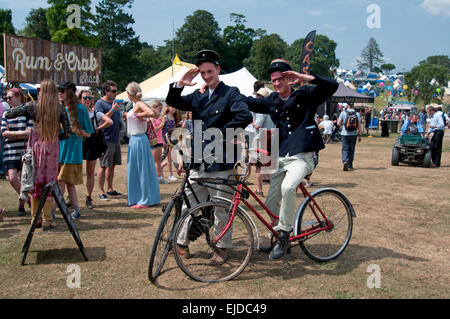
x: 241, y: 79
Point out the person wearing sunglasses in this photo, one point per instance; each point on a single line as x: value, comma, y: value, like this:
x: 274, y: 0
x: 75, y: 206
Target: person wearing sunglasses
x: 15, y: 132
x: 113, y: 154
x: 91, y: 150
x: 71, y: 149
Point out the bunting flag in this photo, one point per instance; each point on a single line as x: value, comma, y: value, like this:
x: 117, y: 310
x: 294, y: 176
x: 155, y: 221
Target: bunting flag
x: 305, y: 62
x: 176, y: 60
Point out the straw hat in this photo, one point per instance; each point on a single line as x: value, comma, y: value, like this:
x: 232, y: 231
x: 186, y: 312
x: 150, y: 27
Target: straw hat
x: 263, y: 92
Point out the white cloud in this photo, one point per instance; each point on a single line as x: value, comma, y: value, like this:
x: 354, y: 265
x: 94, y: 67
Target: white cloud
x: 315, y: 12
x: 437, y: 7
x: 334, y: 27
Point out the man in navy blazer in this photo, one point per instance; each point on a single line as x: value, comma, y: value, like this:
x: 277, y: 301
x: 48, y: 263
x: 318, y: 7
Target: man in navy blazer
x: 219, y: 107
x: 292, y: 112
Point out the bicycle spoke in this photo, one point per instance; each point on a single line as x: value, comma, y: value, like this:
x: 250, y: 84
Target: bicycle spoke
x: 202, y: 236
x: 327, y: 244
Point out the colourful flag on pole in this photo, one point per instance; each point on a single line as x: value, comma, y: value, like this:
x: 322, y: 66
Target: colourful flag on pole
x: 176, y: 60
x: 305, y: 62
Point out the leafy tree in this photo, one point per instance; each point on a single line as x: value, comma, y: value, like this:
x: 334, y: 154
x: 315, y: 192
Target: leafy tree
x: 438, y: 60
x: 371, y: 56
x: 323, y: 58
x: 388, y: 67
x: 57, y: 16
x: 6, y: 26
x: 36, y: 24
x: 238, y: 40
x: 199, y: 31
x: 262, y: 52
x: 377, y: 69
x: 120, y: 45
x: 426, y: 78
x: 151, y: 61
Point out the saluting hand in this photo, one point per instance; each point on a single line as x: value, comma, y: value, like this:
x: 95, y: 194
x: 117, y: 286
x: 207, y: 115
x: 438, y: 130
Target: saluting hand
x: 295, y: 78
x: 187, y: 78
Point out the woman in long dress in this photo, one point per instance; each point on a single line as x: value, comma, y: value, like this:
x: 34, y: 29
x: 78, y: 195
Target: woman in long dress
x: 142, y: 179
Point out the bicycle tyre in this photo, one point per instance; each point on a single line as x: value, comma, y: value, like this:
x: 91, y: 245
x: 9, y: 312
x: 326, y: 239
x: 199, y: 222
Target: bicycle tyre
x: 198, y: 266
x: 329, y: 244
x: 162, y: 243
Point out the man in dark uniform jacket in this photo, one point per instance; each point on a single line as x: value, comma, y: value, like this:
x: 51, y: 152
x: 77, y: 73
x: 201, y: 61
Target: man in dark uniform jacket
x: 219, y: 106
x: 292, y: 112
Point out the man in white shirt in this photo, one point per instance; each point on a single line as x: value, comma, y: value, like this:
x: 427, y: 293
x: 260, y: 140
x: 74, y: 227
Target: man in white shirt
x: 327, y: 126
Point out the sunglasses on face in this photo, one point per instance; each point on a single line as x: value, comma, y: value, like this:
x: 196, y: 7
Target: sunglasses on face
x: 9, y: 98
x: 87, y: 98
x: 62, y: 91
x: 113, y: 91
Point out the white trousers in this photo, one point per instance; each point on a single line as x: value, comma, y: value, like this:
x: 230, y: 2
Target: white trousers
x: 282, y: 196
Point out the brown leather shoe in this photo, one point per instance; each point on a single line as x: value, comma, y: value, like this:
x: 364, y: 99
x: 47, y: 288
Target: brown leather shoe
x: 183, y: 251
x: 48, y: 225
x: 220, y: 256
x: 38, y: 224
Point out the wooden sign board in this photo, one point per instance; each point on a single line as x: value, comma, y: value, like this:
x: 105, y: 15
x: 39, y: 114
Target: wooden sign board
x: 29, y: 60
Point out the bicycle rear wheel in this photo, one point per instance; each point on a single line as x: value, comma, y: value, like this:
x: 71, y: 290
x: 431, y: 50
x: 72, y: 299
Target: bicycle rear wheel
x: 328, y: 244
x: 162, y: 243
x: 198, y: 225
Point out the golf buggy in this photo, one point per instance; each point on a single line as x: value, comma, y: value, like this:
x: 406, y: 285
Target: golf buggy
x: 413, y: 149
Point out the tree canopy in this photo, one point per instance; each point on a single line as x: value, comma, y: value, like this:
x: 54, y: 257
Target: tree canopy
x: 371, y: 56
x: 199, y: 31
x: 323, y: 59
x: 262, y: 52
x: 125, y: 58
x: 6, y: 26
x: 37, y: 24
x: 426, y: 79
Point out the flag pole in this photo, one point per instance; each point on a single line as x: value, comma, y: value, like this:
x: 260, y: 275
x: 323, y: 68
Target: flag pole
x: 173, y: 37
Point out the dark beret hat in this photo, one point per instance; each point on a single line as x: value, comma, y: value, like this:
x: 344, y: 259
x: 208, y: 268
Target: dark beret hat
x: 279, y: 65
x: 68, y: 85
x: 207, y: 56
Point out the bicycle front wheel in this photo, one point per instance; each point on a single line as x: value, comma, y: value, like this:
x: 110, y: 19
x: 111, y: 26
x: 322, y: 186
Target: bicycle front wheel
x: 162, y: 243
x: 198, y: 227
x: 327, y: 244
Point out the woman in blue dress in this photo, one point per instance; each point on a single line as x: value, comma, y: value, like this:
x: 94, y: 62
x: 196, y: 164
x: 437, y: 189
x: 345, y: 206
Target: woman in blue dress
x: 142, y: 179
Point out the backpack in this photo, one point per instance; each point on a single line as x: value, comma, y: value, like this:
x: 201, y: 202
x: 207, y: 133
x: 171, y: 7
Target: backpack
x: 351, y: 122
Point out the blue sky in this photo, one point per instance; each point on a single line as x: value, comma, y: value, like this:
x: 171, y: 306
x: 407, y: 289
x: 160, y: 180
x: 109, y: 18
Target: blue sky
x: 410, y: 30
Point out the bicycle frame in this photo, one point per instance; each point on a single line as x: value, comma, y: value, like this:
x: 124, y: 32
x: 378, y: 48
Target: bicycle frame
x: 239, y: 196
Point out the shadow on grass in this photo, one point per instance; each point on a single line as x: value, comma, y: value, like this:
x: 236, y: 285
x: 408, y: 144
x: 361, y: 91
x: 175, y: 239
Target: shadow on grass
x: 371, y: 168
x: 333, y: 185
x: 69, y: 255
x: 86, y: 226
x: 297, y: 264
x: 8, y: 232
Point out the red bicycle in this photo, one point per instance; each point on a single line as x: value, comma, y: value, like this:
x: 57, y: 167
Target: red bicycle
x: 322, y: 228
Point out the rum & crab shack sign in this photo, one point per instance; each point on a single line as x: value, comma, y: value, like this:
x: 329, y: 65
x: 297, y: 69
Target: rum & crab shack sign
x: 33, y: 60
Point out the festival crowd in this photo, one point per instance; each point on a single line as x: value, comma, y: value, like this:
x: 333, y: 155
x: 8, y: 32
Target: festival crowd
x: 48, y: 140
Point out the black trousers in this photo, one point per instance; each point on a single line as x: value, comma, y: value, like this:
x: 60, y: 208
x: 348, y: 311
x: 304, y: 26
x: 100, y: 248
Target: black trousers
x: 436, y: 147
